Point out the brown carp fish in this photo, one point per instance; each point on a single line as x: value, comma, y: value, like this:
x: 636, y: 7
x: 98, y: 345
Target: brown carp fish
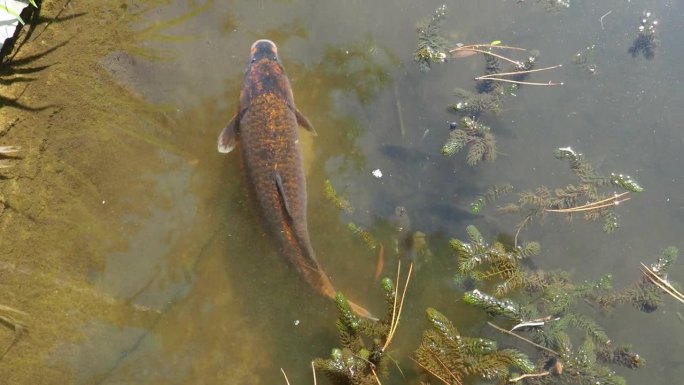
x: 267, y: 126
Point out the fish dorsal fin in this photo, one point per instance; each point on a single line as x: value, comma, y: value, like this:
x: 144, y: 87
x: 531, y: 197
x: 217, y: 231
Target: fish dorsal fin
x: 228, y: 138
x: 303, y: 121
x: 283, y: 197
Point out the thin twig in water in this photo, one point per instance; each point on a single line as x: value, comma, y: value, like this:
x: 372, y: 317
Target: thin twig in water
x: 604, y: 15
x: 313, y: 370
x: 662, y: 283
x: 402, y: 128
x: 523, y: 338
x: 504, y: 58
x: 499, y: 46
x: 520, y: 227
x: 550, y: 83
x: 612, y: 201
x: 376, y: 376
x: 522, y: 377
x: 395, y: 319
x: 533, y: 323
x: 484, y: 77
x: 437, y: 375
x: 285, y: 375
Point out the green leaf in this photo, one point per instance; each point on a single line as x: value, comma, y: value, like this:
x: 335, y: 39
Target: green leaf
x: 11, y: 12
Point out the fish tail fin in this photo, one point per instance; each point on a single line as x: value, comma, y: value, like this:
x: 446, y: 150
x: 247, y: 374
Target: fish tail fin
x: 362, y: 311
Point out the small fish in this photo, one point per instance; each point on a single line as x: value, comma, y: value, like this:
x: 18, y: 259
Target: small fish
x: 266, y: 125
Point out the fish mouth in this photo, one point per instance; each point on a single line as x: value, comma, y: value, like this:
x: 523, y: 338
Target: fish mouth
x: 263, y: 48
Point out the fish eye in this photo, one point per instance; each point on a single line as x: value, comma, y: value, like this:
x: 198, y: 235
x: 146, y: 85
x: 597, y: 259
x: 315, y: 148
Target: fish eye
x: 253, y: 60
x: 275, y: 57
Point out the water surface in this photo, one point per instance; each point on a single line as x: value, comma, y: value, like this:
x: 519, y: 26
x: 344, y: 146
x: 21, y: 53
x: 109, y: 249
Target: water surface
x: 146, y: 256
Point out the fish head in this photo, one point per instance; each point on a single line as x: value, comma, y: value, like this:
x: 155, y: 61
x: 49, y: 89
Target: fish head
x: 263, y: 49
x: 265, y: 72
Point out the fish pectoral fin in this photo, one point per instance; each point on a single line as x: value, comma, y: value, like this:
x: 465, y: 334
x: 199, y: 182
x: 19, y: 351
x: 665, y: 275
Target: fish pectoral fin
x: 228, y: 138
x: 304, y: 122
x: 283, y: 197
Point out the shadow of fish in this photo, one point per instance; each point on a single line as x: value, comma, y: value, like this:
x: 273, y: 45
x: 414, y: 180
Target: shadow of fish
x: 266, y: 125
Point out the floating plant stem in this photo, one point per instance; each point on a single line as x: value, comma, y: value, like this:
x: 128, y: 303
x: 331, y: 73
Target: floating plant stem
x: 514, y: 62
x: 469, y: 47
x: 528, y: 375
x: 457, y: 381
x: 497, y: 76
x: 517, y: 72
x: 612, y: 201
x: 285, y: 375
x: 523, y: 339
x: 549, y: 83
x: 662, y: 283
x: 396, y: 313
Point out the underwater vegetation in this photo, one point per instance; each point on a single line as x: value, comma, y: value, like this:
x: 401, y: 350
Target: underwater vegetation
x: 647, y: 293
x: 476, y: 136
x: 553, y: 5
x: 361, y: 359
x: 451, y: 357
x: 490, y: 88
x: 432, y: 47
x: 340, y: 202
x: 540, y: 309
x: 646, y: 41
x: 568, y: 200
x: 584, y: 59
x: 549, y: 323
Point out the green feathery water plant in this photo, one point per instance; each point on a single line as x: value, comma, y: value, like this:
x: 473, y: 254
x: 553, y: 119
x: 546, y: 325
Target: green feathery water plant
x: 432, y: 47
x: 336, y: 199
x: 647, y: 293
x: 477, y: 136
x: 569, y: 199
x: 362, y: 358
x: 450, y: 357
x: 492, y: 194
x: 544, y: 306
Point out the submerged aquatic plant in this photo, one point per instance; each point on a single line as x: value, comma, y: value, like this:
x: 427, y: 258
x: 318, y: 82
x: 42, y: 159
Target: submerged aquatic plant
x: 542, y: 310
x: 432, y: 47
x: 553, y: 5
x: 492, y: 194
x: 340, y: 202
x: 362, y: 358
x: 364, y: 235
x: 646, y: 42
x: 473, y: 105
x: 569, y: 200
x: 450, y: 357
x: 647, y: 293
x: 584, y: 59
x: 476, y: 136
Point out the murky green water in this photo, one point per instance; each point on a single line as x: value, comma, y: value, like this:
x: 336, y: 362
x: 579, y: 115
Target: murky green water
x: 166, y: 276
